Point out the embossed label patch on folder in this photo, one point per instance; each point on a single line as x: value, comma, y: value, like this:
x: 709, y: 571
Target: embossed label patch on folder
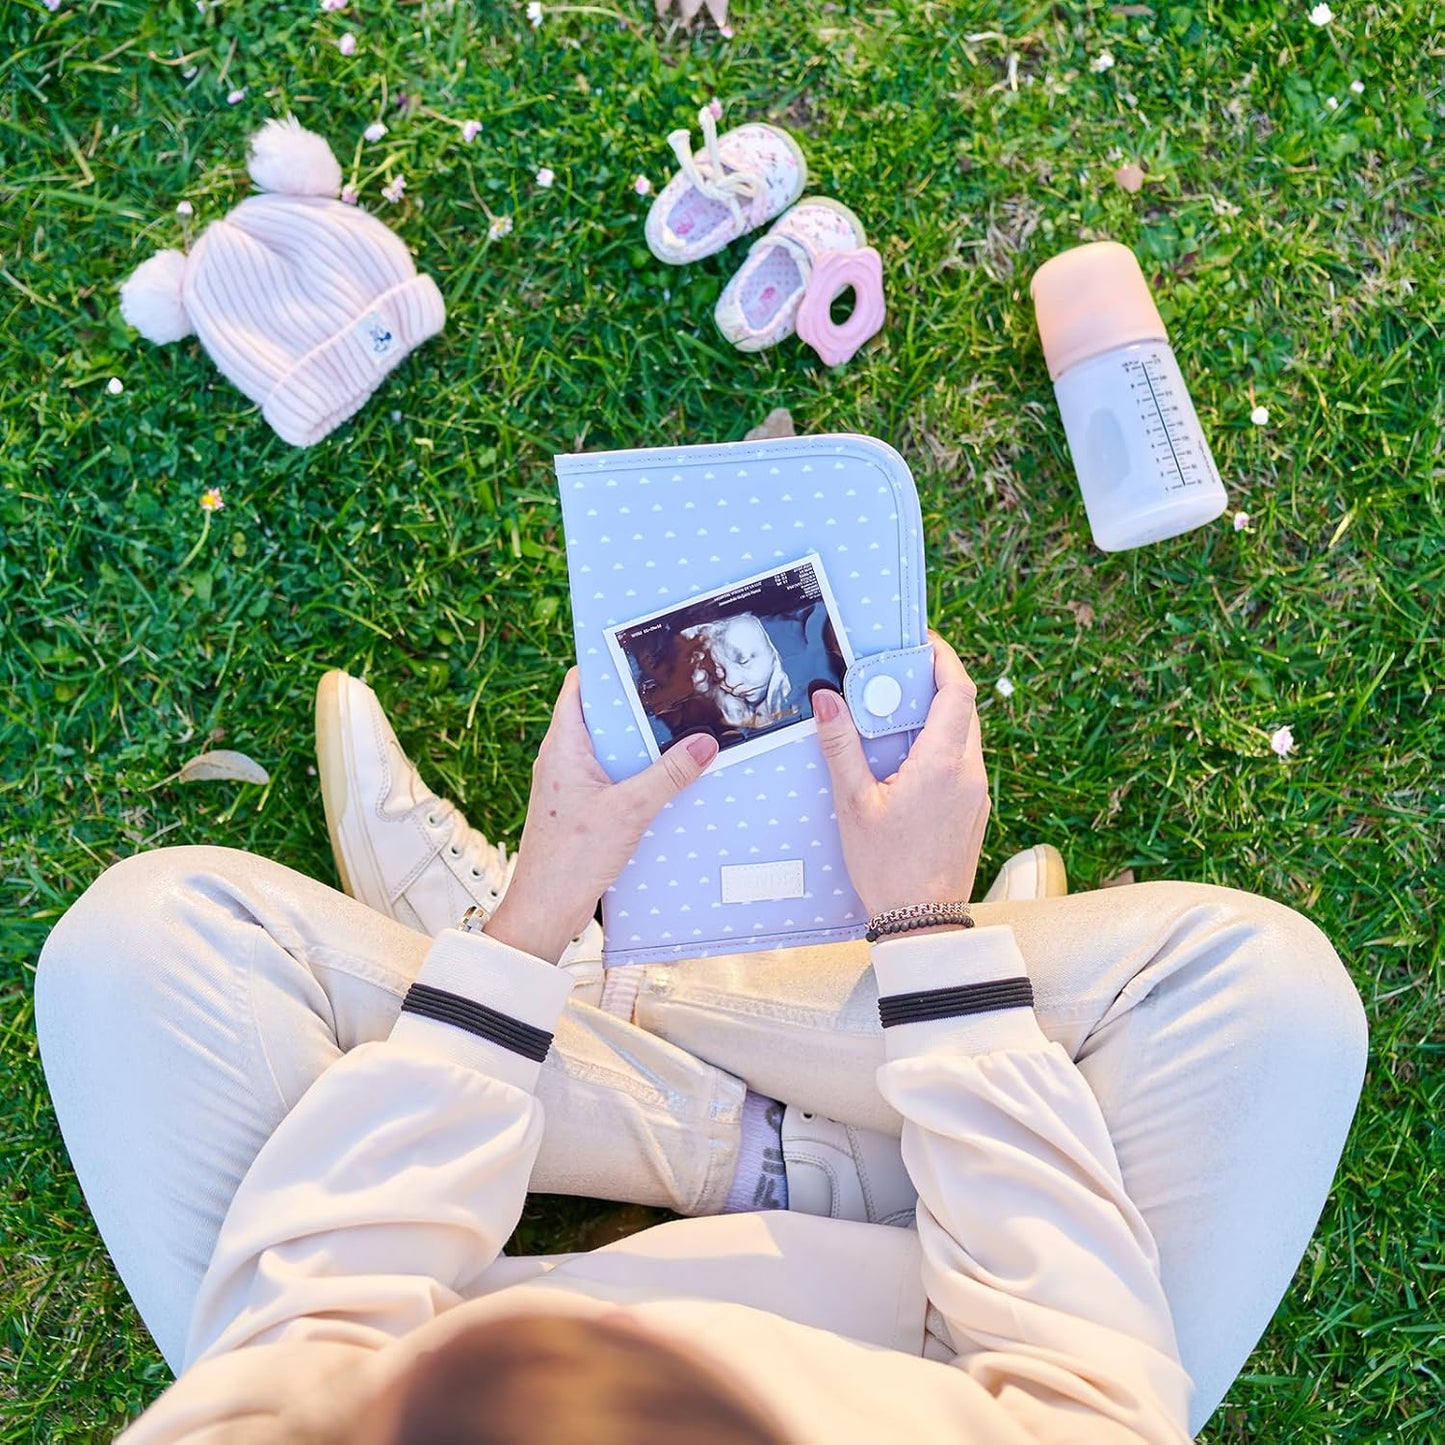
x: 754, y: 882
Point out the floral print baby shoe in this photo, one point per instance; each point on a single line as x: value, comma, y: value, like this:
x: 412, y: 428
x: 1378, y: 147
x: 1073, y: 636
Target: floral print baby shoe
x: 736, y: 183
x: 759, y: 306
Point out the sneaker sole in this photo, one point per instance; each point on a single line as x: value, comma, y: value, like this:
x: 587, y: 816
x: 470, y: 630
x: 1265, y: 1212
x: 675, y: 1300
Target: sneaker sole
x: 1047, y: 876
x: 331, y: 764
x: 1053, y: 875
x: 798, y: 155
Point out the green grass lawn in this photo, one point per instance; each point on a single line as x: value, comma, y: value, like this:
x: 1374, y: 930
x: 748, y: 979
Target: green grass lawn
x: 1291, y: 226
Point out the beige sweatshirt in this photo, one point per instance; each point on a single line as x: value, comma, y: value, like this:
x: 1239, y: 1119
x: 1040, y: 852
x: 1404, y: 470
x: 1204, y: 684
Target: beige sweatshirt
x: 370, y: 1227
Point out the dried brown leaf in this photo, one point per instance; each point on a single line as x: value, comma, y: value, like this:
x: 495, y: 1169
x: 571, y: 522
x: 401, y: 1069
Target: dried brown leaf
x: 222, y: 765
x: 1122, y: 879
x: 777, y: 423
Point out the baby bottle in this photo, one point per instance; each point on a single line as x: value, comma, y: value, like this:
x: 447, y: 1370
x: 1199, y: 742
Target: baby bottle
x: 1142, y: 462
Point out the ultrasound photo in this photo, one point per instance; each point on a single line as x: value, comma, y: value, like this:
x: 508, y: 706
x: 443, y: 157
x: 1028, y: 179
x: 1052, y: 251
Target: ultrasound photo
x: 740, y: 663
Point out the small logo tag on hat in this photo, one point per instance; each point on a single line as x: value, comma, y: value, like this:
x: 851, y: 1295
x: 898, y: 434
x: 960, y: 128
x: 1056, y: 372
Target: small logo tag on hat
x: 377, y: 336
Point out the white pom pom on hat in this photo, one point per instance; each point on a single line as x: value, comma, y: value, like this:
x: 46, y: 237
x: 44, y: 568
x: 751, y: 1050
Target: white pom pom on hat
x: 151, y: 298
x: 303, y: 303
x: 290, y: 160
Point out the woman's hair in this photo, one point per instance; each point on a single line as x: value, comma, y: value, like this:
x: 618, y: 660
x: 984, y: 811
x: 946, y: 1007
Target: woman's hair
x: 558, y: 1380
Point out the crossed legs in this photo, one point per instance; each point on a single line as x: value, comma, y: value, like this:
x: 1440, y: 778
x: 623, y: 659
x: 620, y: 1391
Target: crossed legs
x: 192, y: 995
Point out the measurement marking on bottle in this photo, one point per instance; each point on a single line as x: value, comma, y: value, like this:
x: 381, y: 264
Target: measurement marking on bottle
x: 1157, y: 398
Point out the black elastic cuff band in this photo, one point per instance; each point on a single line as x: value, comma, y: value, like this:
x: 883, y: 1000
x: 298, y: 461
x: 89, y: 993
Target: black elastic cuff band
x: 476, y: 1018
x: 952, y: 1003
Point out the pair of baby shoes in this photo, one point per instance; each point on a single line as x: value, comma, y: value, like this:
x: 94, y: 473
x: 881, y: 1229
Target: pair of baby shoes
x: 815, y: 251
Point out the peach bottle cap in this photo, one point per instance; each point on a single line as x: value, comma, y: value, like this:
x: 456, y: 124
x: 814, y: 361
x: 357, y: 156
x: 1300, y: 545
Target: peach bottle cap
x: 1090, y: 300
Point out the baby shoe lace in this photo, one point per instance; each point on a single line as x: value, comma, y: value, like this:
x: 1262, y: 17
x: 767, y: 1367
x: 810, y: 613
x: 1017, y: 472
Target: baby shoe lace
x: 719, y: 184
x: 489, y: 863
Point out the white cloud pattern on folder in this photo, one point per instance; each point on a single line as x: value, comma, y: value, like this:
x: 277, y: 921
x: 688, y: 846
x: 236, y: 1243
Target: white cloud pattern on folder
x: 769, y: 827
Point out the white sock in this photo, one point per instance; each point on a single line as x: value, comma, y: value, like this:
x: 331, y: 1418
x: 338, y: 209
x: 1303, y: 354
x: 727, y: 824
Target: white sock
x: 761, y: 1181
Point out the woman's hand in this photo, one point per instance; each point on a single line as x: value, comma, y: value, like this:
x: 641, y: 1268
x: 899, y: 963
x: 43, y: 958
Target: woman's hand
x: 915, y: 837
x: 581, y: 829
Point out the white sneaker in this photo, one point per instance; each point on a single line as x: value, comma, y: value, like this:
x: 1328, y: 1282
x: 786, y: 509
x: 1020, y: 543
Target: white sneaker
x: 1037, y: 872
x: 399, y: 847
x: 843, y: 1172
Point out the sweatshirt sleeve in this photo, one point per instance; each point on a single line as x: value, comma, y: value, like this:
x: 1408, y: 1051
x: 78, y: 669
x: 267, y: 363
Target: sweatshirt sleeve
x: 1046, y: 1273
x: 386, y: 1191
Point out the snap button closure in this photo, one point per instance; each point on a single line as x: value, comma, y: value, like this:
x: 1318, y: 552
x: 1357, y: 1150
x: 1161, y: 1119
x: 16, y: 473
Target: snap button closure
x: 882, y: 694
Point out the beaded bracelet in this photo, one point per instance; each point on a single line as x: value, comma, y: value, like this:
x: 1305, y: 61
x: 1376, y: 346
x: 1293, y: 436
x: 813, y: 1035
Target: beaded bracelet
x: 915, y: 916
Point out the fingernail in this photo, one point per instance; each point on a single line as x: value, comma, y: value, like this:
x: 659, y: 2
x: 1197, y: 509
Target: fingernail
x: 825, y: 705
x: 702, y: 749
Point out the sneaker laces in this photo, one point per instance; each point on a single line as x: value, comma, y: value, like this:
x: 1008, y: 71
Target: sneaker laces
x: 490, y: 863
x: 720, y: 184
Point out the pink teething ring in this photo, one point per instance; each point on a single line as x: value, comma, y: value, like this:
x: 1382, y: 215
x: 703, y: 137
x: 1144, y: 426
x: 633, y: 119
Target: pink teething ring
x: 832, y: 276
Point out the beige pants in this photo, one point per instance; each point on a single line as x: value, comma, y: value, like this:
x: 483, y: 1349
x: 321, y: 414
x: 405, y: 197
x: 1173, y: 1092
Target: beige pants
x: 192, y: 995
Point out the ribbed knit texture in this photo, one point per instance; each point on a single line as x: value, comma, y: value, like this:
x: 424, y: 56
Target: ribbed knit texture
x: 305, y: 304
x: 761, y: 1180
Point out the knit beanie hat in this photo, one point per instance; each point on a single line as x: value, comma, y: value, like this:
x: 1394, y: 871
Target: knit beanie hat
x: 303, y: 302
